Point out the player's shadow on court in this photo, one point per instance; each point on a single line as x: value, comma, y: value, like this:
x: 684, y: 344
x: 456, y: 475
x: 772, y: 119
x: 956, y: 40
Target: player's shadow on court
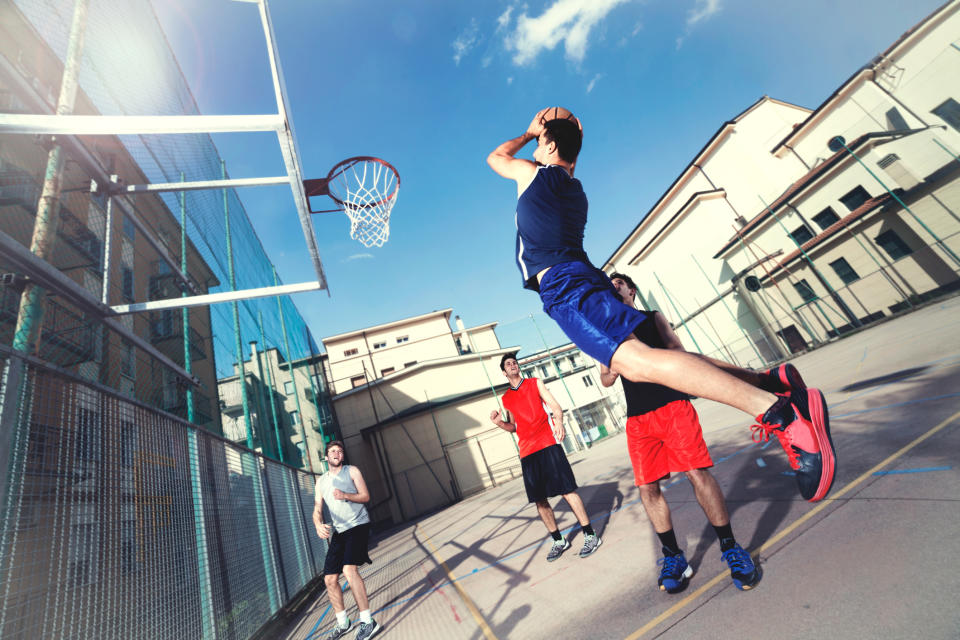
x: 885, y: 379
x: 599, y: 500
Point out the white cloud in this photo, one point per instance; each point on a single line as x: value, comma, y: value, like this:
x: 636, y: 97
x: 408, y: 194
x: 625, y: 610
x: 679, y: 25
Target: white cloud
x: 504, y: 20
x: 510, y: 80
x: 702, y: 10
x: 593, y: 82
x: 360, y: 256
x: 566, y: 21
x: 466, y: 41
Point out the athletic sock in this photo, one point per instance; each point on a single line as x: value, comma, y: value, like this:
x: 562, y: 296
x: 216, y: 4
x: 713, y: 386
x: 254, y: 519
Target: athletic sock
x: 669, y: 541
x: 587, y: 530
x: 365, y: 616
x: 341, y: 618
x: 556, y: 535
x: 725, y: 534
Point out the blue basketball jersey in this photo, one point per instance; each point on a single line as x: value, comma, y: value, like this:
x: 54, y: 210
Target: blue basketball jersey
x: 551, y: 216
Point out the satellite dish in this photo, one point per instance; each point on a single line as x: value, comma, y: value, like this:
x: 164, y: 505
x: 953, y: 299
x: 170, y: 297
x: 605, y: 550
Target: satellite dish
x: 836, y: 143
x: 752, y: 283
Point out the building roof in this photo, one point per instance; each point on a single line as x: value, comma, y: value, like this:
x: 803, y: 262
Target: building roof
x: 903, y: 42
x: 387, y: 325
x: 707, y: 149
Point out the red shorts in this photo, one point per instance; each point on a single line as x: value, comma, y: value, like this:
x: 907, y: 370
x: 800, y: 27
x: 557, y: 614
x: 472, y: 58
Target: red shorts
x: 666, y: 440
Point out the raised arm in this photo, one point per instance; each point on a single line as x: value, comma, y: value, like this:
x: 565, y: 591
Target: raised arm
x: 667, y: 334
x: 502, y: 160
x: 555, y: 410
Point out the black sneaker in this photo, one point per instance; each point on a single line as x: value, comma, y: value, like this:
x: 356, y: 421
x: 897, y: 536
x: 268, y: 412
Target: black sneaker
x: 782, y: 379
x: 743, y: 572
x: 366, y: 630
x: 339, y: 632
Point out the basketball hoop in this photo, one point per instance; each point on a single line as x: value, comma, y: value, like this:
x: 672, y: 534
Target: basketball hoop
x: 365, y: 188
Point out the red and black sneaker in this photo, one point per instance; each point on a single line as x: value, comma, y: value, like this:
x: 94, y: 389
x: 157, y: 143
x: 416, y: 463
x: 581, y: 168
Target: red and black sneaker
x: 801, y: 423
x: 782, y: 379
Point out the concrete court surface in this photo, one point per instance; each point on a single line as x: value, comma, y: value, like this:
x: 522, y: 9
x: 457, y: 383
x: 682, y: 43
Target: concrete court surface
x: 877, y: 559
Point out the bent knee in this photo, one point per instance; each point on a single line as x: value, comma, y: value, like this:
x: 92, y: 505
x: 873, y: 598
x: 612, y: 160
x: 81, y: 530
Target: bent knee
x: 331, y: 580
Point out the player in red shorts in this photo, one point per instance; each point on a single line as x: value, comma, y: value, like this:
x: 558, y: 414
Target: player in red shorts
x: 546, y: 471
x: 663, y: 437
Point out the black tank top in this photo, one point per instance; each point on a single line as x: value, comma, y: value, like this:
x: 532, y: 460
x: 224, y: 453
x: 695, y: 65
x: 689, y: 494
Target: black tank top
x: 644, y: 397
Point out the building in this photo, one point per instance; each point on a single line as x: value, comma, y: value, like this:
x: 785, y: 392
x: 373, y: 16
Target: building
x: 791, y: 226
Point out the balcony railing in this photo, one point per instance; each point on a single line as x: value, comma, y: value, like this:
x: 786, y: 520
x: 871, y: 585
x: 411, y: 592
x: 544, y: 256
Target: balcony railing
x: 66, y: 337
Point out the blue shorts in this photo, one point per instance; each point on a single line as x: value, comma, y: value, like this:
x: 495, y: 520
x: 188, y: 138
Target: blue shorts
x: 580, y: 298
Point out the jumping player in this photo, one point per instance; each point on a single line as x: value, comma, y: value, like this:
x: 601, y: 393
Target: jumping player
x: 663, y: 437
x: 546, y: 471
x: 550, y: 218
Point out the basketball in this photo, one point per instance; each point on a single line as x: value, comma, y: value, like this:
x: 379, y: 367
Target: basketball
x: 556, y: 113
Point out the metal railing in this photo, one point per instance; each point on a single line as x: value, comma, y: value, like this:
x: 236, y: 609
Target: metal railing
x: 121, y: 520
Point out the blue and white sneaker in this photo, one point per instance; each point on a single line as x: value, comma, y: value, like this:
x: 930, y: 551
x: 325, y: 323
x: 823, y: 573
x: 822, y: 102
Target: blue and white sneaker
x: 674, y: 572
x: 744, y: 573
x: 339, y: 632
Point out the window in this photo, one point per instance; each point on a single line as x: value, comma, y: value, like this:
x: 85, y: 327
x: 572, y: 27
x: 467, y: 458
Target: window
x: 317, y: 381
x: 384, y: 372
x: 893, y: 244
x: 587, y: 381
x: 357, y: 381
x: 88, y: 435
x: 401, y: 339
x: 826, y: 218
x: 288, y: 387
x: 805, y: 291
x: 295, y: 418
x: 844, y: 271
x: 544, y: 371
x: 129, y: 229
x: 351, y: 352
x: 409, y: 364
x: 801, y: 234
x: 895, y: 121
x: 127, y: 283
x: 379, y: 345
x: 855, y: 198
x: 949, y: 112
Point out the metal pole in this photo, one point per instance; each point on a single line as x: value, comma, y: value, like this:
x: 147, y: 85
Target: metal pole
x: 816, y: 272
x: 238, y: 347
x: 187, y: 360
x: 576, y: 421
x: 203, y: 563
x: 724, y: 302
x: 293, y: 378
x: 313, y: 390
x: 936, y: 238
x: 270, y: 389
x: 262, y: 396
x: 44, y: 241
x: 107, y: 250
x: 676, y: 312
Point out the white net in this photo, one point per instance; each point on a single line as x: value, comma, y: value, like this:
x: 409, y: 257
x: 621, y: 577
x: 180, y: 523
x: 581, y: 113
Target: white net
x: 368, y: 190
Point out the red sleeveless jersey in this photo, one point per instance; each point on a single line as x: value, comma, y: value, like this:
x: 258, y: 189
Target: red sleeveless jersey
x: 534, y: 426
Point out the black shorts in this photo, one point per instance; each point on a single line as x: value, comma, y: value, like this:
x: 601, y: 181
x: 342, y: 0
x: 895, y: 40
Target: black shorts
x: 547, y: 473
x: 349, y: 547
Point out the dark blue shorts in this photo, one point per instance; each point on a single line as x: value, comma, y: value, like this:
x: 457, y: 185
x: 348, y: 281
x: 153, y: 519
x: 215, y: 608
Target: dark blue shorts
x: 580, y: 298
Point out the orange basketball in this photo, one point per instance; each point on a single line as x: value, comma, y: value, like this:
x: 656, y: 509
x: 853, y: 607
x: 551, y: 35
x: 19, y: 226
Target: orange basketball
x: 556, y: 113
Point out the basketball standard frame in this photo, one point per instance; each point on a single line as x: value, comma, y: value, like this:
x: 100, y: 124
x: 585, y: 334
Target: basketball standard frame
x: 70, y: 126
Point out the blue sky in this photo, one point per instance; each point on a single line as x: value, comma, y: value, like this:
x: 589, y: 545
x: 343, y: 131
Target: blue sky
x: 434, y: 86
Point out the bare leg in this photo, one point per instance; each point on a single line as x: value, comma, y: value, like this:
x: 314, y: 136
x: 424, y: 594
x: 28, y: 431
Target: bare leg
x: 546, y: 514
x: 576, y: 504
x: 688, y: 373
x: 357, y: 586
x: 333, y: 591
x: 709, y: 496
x: 656, y: 506
x: 750, y: 377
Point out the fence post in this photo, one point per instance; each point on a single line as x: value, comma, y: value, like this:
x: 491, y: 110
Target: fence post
x: 203, y: 563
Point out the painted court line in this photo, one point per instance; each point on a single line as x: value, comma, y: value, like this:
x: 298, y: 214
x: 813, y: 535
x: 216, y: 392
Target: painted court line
x: 898, y: 471
x: 487, y: 631
x: 663, y: 617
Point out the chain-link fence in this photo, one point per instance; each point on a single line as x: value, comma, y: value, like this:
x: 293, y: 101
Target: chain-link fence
x: 119, y: 520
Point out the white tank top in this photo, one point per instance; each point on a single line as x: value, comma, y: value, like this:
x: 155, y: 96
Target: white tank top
x: 343, y: 514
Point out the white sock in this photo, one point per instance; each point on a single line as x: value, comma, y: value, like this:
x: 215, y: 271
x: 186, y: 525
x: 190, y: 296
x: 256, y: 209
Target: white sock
x: 365, y: 616
x: 341, y: 618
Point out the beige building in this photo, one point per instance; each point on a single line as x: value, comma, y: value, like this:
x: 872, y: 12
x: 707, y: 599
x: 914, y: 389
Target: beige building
x: 291, y: 417
x: 792, y: 226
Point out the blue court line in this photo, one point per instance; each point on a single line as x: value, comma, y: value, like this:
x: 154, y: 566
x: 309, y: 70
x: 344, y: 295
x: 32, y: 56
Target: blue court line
x: 897, y: 471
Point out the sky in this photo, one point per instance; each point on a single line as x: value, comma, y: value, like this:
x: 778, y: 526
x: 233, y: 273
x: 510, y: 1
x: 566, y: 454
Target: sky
x: 434, y: 86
